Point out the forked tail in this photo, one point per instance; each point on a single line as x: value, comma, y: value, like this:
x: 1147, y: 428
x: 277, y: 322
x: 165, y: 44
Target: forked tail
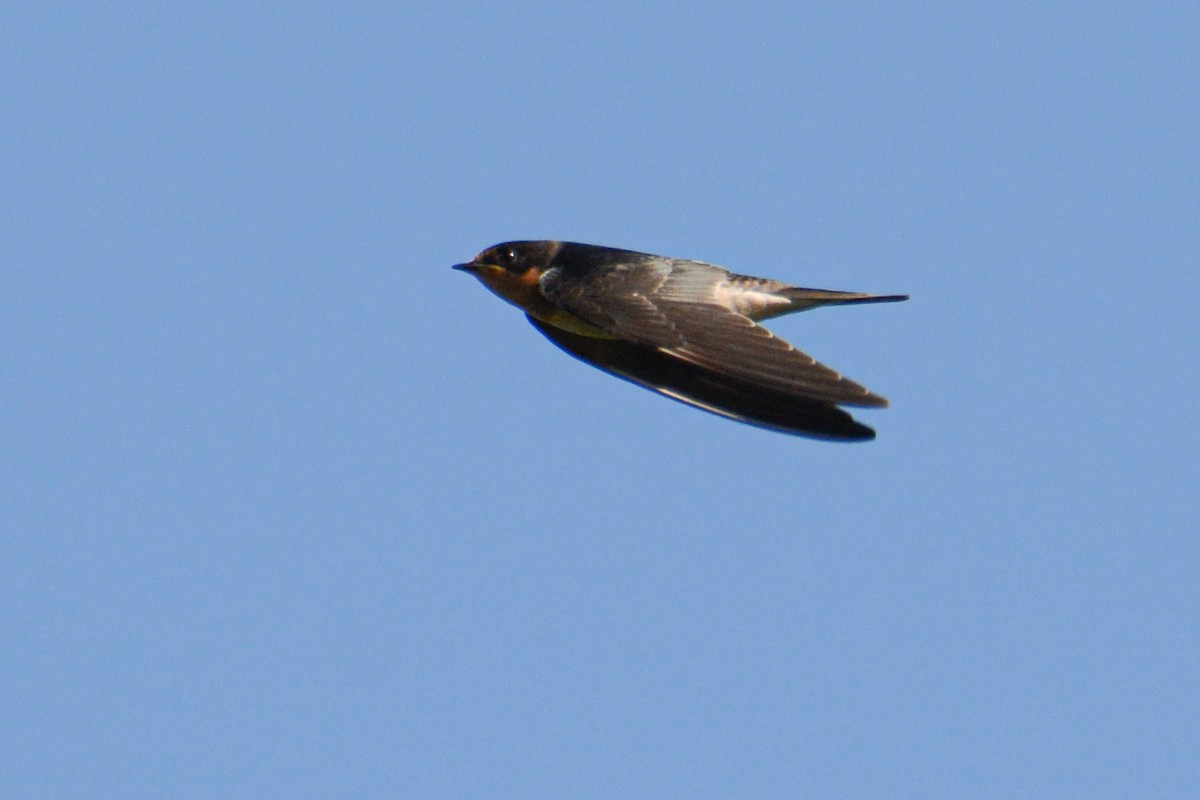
x: 811, y: 298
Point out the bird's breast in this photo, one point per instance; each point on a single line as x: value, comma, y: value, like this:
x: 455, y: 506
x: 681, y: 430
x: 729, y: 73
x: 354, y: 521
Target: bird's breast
x: 524, y: 291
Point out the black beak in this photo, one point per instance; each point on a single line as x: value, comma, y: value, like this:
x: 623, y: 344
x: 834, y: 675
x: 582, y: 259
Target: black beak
x: 470, y: 266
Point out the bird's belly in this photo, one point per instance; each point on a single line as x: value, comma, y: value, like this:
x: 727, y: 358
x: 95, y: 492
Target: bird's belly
x: 573, y: 324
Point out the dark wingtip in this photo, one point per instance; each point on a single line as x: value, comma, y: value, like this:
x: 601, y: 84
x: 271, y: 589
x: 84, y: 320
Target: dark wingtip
x: 713, y: 392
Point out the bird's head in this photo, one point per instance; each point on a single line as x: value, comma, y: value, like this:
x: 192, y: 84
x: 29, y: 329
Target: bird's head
x: 512, y: 269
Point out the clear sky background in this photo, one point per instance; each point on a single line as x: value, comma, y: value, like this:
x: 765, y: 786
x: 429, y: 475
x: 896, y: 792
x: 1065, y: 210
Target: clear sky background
x: 291, y: 509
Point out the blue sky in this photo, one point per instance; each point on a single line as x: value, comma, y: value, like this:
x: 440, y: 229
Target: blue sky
x: 294, y: 510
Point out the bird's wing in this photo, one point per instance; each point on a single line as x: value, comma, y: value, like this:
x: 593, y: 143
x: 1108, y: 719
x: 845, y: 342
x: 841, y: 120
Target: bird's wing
x: 715, y: 392
x: 680, y: 308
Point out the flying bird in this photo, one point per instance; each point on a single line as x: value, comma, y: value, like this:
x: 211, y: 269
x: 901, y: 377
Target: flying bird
x: 685, y: 329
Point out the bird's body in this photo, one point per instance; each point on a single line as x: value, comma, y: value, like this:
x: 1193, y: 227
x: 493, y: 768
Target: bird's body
x: 685, y: 329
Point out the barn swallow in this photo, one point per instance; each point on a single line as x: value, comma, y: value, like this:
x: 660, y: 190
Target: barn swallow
x: 685, y: 329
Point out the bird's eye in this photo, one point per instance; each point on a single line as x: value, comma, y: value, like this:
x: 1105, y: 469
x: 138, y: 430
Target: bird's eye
x: 510, y: 257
